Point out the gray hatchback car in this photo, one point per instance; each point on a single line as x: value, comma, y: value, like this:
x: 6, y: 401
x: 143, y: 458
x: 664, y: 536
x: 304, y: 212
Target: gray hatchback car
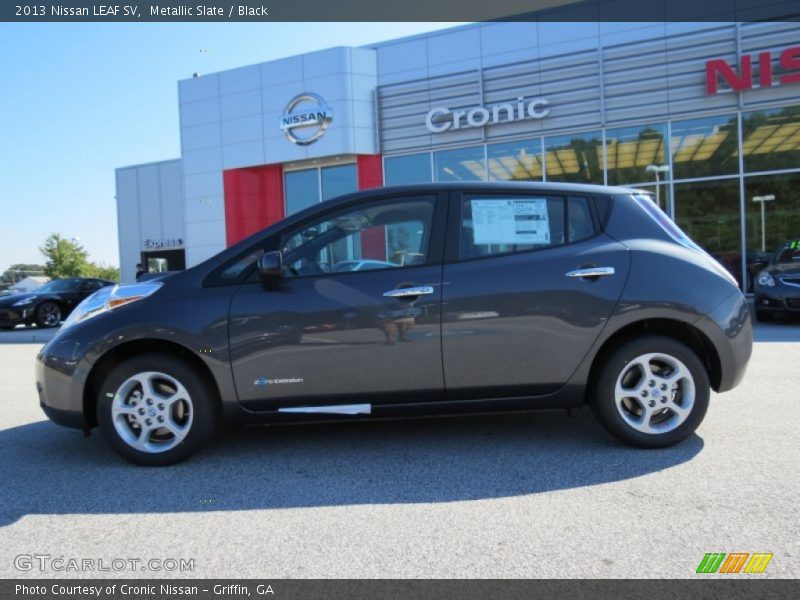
x: 468, y: 298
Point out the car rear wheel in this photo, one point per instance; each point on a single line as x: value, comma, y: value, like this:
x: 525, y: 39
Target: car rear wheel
x: 651, y: 392
x: 48, y: 315
x: 155, y: 410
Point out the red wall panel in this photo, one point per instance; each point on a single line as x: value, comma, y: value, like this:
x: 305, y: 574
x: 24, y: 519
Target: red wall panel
x: 253, y: 200
x: 370, y: 175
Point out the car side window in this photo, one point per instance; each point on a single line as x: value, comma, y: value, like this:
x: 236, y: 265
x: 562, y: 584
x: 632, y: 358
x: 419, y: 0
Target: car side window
x: 501, y: 225
x: 91, y: 286
x: 580, y: 225
x: 378, y: 235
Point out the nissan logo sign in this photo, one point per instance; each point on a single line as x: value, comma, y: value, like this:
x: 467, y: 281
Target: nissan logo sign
x: 306, y: 112
x: 441, y: 118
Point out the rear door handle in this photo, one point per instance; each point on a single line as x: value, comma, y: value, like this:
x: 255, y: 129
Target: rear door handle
x: 411, y: 292
x: 591, y: 272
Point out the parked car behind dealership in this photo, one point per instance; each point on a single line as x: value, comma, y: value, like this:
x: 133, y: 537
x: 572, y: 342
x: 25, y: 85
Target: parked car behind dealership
x: 521, y: 296
x: 777, y: 287
x: 48, y: 304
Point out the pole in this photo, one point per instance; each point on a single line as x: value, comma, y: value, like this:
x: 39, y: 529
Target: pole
x: 763, y: 230
x: 658, y: 190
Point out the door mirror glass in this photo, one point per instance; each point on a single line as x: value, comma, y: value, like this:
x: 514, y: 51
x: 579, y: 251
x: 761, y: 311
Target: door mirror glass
x: 270, y: 266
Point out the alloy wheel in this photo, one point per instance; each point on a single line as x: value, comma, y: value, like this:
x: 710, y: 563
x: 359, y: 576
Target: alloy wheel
x: 50, y: 314
x: 654, y: 393
x: 152, y: 412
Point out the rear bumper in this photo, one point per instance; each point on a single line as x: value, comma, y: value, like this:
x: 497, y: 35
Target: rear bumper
x: 729, y: 327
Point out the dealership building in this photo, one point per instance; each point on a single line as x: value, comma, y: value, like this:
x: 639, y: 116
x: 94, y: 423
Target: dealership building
x: 704, y: 115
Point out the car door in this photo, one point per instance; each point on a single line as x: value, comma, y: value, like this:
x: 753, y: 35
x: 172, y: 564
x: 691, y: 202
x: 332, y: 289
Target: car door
x: 328, y: 333
x: 528, y: 285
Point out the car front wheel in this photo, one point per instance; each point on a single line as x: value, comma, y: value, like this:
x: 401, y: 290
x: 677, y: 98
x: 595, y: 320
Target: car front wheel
x: 651, y: 392
x: 48, y: 315
x: 155, y: 410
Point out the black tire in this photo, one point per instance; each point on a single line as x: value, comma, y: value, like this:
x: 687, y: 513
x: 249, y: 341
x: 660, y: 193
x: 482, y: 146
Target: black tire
x: 763, y: 316
x: 48, y: 314
x: 6, y: 327
x: 604, y: 404
x: 204, y: 409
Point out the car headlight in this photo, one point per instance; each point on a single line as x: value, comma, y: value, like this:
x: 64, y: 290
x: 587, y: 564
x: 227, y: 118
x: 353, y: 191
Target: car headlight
x: 25, y: 301
x: 109, y: 298
x: 765, y: 279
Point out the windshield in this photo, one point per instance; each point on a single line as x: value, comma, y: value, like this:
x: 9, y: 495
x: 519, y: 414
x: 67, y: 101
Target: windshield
x: 790, y: 253
x: 59, y: 285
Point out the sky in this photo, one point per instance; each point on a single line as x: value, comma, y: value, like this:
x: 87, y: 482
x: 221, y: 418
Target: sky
x: 79, y: 100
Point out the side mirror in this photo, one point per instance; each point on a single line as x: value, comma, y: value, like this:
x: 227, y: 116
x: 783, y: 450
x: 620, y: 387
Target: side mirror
x: 270, y: 266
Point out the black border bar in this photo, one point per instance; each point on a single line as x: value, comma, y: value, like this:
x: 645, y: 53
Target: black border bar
x: 396, y: 10
x: 733, y: 588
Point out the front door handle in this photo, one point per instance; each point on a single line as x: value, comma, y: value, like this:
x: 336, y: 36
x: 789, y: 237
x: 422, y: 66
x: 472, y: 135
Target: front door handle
x: 591, y: 272
x: 411, y: 292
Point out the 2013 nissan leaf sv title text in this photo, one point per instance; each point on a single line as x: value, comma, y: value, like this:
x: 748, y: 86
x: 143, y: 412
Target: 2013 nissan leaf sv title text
x: 406, y: 301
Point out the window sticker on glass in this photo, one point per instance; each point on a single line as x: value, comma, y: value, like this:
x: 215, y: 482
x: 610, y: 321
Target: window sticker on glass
x: 510, y: 221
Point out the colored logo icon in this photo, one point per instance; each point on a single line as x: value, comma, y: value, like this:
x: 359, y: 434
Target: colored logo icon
x: 734, y: 562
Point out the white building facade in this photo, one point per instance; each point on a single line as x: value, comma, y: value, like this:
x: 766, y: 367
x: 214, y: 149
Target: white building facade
x: 707, y: 115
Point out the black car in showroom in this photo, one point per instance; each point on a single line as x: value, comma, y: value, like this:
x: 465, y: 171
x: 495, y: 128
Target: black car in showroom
x: 776, y: 290
x: 48, y: 305
x: 476, y: 297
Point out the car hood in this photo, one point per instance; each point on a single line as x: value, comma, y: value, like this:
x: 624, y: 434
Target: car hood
x: 10, y: 300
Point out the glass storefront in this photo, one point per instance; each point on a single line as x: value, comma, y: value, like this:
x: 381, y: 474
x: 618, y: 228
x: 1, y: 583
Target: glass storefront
x: 771, y: 139
x: 517, y: 161
x: 708, y: 211
x: 301, y: 190
x: 772, y: 216
x: 691, y: 165
x: 631, y: 150
x: 461, y: 164
x: 574, y: 158
x: 706, y: 147
x: 407, y: 169
x: 338, y: 180
x: 307, y: 187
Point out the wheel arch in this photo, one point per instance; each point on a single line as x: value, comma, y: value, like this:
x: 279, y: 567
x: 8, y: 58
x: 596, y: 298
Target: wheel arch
x: 678, y: 330
x: 108, y: 361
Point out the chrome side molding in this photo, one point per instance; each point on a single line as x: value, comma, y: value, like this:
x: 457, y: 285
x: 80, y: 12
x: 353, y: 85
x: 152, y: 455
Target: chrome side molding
x: 336, y: 409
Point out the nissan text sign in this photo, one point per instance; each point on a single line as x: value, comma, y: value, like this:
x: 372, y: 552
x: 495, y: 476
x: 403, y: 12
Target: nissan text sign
x: 789, y: 61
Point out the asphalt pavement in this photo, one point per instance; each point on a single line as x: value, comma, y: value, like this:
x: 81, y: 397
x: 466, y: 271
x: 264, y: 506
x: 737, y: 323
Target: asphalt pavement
x: 523, y: 495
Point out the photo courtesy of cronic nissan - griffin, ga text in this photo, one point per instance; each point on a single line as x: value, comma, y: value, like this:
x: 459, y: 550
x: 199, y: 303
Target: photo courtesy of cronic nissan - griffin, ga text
x: 500, y: 297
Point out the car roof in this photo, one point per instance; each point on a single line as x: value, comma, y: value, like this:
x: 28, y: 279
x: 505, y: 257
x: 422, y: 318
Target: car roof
x: 487, y: 186
x: 536, y: 186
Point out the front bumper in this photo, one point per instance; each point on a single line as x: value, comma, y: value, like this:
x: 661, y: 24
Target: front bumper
x: 11, y: 316
x: 777, y: 301
x: 61, y: 374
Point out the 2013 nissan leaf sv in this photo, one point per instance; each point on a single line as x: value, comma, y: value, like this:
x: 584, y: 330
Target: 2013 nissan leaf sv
x: 463, y: 298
